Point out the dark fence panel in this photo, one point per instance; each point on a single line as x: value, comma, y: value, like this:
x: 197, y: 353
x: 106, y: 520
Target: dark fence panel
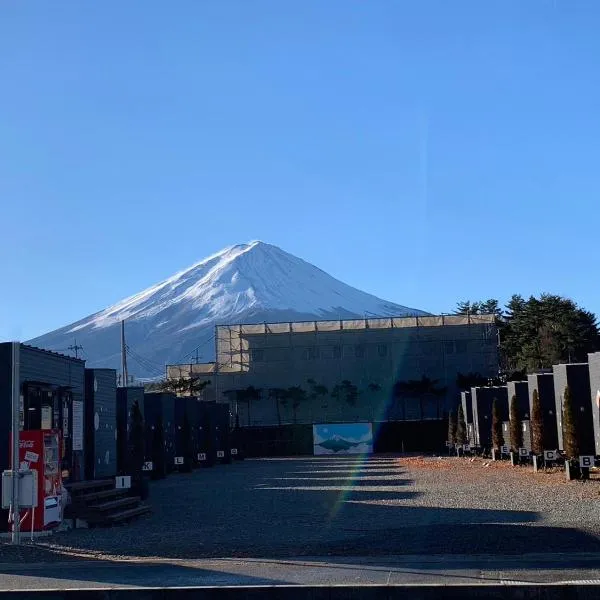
x: 393, y: 436
x: 410, y: 436
x: 285, y: 440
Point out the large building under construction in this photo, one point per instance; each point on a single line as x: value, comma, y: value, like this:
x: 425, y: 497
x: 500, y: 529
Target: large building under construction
x: 394, y: 368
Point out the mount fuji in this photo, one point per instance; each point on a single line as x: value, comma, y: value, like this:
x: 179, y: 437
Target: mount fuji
x: 174, y: 321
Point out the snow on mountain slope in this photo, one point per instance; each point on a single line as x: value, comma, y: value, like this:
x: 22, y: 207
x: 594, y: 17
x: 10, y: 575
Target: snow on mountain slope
x: 252, y: 282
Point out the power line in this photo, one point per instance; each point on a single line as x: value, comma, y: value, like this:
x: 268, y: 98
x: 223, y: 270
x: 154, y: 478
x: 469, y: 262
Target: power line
x: 210, y: 339
x: 145, y: 363
x: 144, y: 358
x: 147, y: 368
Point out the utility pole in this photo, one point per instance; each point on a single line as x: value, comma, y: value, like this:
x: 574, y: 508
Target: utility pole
x: 16, y: 426
x: 124, y: 375
x: 75, y: 348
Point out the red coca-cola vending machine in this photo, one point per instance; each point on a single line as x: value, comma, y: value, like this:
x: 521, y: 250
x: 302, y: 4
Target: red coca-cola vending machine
x: 40, y: 450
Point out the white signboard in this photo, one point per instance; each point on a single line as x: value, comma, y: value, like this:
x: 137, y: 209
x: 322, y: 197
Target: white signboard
x: 46, y: 417
x: 31, y: 456
x: 77, y: 425
x: 148, y: 466
x: 466, y: 447
x: 234, y: 451
x: 202, y: 456
x: 220, y: 454
x: 586, y: 461
x: 523, y: 452
x: 549, y: 455
x: 123, y: 482
x: 179, y: 460
x: 505, y: 450
x: 28, y: 489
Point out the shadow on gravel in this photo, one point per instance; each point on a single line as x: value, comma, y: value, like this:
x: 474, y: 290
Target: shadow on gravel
x: 485, y: 538
x: 389, y: 493
x: 362, y: 480
x: 348, y: 473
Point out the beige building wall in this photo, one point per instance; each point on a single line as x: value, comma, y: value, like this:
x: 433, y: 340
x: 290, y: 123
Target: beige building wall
x: 372, y: 352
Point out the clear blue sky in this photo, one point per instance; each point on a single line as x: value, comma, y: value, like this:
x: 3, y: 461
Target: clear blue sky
x: 423, y: 151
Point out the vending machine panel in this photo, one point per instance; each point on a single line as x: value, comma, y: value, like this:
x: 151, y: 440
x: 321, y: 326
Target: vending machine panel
x: 39, y: 450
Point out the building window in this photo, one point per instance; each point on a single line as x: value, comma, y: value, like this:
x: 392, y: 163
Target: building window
x: 257, y: 354
x: 382, y: 350
x: 359, y: 351
x: 326, y: 352
x: 330, y: 352
x: 310, y: 353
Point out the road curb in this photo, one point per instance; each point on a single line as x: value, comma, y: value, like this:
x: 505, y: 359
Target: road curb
x: 504, y: 591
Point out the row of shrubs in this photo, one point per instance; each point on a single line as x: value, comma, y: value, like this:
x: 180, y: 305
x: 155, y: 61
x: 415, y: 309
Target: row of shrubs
x: 458, y: 438
x: 457, y: 427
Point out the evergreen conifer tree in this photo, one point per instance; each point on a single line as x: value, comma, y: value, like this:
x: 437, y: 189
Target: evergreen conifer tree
x: 497, y: 436
x: 537, y: 424
x: 569, y: 427
x: 516, y: 425
x: 452, y: 425
x: 461, y: 427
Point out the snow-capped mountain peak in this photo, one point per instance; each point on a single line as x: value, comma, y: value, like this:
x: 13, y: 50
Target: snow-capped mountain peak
x: 252, y: 282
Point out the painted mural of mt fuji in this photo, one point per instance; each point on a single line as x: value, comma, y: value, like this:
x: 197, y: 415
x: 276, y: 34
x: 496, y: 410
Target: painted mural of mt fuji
x: 175, y: 319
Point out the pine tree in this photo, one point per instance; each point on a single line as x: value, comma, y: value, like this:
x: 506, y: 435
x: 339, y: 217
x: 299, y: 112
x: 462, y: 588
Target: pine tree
x: 537, y: 424
x: 516, y: 426
x: 249, y: 395
x: 278, y: 395
x: 461, y: 427
x: 318, y: 391
x: 452, y: 426
x: 347, y: 391
x: 540, y: 332
x: 497, y: 436
x: 297, y: 397
x: 569, y: 427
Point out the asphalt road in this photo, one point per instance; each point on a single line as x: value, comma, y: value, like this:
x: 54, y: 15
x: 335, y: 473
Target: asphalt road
x: 448, y: 570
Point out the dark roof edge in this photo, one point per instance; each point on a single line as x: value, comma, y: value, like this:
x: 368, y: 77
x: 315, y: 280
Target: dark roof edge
x: 80, y: 360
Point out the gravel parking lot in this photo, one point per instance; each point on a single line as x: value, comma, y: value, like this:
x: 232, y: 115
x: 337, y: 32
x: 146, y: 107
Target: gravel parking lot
x: 341, y: 506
